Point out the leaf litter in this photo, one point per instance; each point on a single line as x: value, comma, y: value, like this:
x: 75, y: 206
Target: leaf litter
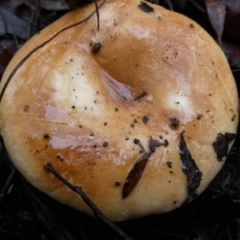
x: 213, y: 215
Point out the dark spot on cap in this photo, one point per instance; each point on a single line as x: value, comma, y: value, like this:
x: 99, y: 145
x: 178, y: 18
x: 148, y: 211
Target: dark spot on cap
x: 26, y: 108
x: 136, y: 141
x: 199, y: 116
x: 117, y: 183
x: 145, y: 119
x: 60, y: 156
x: 96, y: 47
x: 169, y: 163
x: 174, y: 122
x: 46, y: 136
x: 105, y: 144
x: 165, y: 143
x: 145, y: 7
x: 153, y: 144
x: 233, y: 118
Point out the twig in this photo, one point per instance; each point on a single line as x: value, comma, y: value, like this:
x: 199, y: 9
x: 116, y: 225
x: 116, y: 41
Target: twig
x: 9, y: 180
x: 11, y: 234
x: 85, y: 198
x: 97, y: 12
x: 170, y: 5
x: 15, y: 221
x: 198, y: 5
x: 51, y: 227
x: 7, y: 184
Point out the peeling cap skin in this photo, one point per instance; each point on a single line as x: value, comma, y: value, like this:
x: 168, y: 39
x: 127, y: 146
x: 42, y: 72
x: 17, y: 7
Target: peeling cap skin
x: 140, y: 113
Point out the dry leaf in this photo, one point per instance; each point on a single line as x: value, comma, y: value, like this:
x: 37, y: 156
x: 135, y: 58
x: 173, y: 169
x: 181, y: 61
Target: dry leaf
x: 179, y: 5
x: 3, y: 30
x: 56, y: 5
x: 232, y: 24
x: 233, y: 5
x: 232, y: 52
x: 73, y: 4
x: 14, y: 25
x: 5, y: 57
x: 216, y: 10
x: 15, y: 3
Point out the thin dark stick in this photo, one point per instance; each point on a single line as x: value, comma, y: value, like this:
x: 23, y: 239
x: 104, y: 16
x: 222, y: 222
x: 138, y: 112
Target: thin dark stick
x: 170, y: 5
x: 97, y: 12
x: 7, y: 184
x: 11, y: 234
x: 15, y: 221
x: 2, y: 149
x: 198, y: 5
x: 143, y: 94
x: 42, y: 45
x: 92, y: 206
x: 47, y: 221
x: 11, y: 175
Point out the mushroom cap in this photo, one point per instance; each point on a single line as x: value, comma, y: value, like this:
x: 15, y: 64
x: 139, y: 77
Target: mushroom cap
x: 140, y: 113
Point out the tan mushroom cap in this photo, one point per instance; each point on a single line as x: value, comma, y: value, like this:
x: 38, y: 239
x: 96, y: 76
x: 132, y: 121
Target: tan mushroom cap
x: 89, y: 99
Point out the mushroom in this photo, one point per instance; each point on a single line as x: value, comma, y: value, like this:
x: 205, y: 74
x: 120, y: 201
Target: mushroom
x: 140, y: 113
